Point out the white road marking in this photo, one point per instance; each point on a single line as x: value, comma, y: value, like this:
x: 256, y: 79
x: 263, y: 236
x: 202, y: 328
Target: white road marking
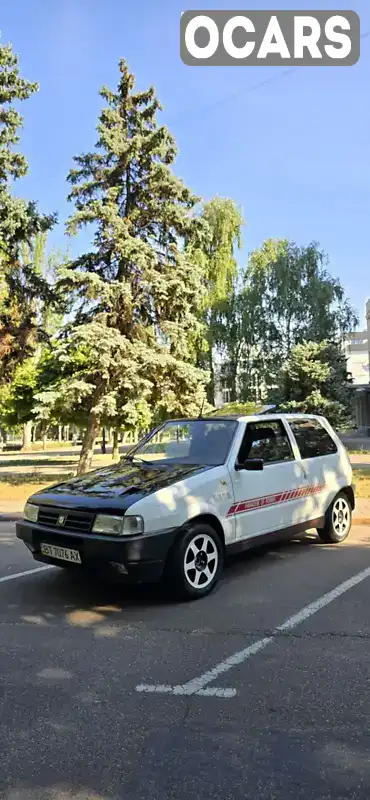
x: 196, y: 685
x: 323, y: 601
x: 212, y: 691
x: 159, y: 687
x: 23, y: 574
x: 163, y: 688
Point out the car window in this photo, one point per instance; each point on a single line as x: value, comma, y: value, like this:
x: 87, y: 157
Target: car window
x: 202, y: 442
x: 268, y: 441
x: 312, y: 438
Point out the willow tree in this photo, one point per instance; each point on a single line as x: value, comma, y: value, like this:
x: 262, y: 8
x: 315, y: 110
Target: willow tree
x: 136, y: 292
x: 297, y: 300
x: 212, y: 248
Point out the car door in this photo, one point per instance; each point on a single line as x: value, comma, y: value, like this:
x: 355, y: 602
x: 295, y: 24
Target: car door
x: 271, y: 499
x: 321, y: 461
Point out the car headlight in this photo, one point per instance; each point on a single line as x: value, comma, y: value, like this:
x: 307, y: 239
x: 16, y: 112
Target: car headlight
x: 31, y: 512
x: 118, y: 526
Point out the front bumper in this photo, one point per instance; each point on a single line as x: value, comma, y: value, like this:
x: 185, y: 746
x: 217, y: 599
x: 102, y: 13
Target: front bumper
x: 143, y: 557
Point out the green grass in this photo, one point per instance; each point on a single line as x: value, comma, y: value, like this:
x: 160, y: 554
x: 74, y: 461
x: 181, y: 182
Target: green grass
x: 37, y: 462
x: 19, y: 479
x: 16, y: 447
x: 361, y: 479
x: 53, y: 445
x: 17, y: 488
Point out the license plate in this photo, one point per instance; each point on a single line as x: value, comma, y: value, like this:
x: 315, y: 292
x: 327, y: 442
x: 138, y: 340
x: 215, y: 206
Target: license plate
x: 62, y: 553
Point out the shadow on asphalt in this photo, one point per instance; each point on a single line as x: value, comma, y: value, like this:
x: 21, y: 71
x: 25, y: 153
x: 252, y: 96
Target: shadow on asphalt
x: 88, y: 600
x: 86, y: 736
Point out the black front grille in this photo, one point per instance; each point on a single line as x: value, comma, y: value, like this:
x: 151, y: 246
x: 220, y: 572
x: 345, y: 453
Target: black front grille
x: 62, y: 519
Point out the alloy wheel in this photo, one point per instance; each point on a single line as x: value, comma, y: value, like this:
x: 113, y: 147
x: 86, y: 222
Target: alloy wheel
x: 200, y: 561
x: 341, y: 517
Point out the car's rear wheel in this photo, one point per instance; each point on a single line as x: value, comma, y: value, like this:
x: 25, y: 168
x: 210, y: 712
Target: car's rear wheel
x: 196, y: 562
x: 338, y: 520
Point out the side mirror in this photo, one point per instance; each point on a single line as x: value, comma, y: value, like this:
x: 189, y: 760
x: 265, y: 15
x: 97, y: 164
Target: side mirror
x: 251, y: 464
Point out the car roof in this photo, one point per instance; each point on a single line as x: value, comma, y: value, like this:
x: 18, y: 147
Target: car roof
x: 246, y: 418
x: 258, y: 417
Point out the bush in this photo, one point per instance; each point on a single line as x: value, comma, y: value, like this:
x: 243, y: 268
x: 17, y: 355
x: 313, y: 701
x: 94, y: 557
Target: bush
x: 237, y: 409
x: 337, y: 414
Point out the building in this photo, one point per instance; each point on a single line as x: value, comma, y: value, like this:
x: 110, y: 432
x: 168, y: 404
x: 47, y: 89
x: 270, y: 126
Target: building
x: 357, y: 348
x: 223, y: 392
x: 357, y: 351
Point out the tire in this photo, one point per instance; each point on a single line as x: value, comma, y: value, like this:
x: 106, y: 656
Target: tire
x: 338, y: 520
x: 196, y: 562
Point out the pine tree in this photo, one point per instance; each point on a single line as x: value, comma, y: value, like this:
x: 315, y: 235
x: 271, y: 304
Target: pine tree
x: 28, y: 373
x: 136, y: 292
x: 20, y: 222
x: 318, y: 382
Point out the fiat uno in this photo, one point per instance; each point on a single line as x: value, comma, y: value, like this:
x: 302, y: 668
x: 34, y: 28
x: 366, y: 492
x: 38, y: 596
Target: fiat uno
x: 193, y: 491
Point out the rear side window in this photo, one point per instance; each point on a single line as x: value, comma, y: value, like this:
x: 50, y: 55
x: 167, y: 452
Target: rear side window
x: 268, y: 441
x: 312, y: 438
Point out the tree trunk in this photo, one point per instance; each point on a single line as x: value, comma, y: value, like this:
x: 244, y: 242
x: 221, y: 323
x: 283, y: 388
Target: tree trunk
x: 88, y: 444
x: 103, y: 442
x: 44, y: 435
x: 233, y: 382
x: 60, y: 428
x: 3, y: 438
x: 27, y: 436
x: 211, y: 385
x: 115, y: 451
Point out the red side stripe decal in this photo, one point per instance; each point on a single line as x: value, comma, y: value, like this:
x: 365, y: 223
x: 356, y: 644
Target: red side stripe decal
x: 272, y: 499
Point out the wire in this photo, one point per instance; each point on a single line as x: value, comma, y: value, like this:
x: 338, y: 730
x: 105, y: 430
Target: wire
x: 248, y: 89
x: 233, y: 95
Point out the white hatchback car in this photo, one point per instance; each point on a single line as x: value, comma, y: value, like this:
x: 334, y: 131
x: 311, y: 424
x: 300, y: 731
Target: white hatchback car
x: 191, y: 492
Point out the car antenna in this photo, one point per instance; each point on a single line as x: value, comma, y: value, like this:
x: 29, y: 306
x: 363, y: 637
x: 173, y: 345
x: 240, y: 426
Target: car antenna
x: 265, y: 410
x: 201, y: 410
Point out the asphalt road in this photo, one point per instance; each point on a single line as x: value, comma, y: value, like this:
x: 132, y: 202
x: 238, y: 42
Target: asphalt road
x: 291, y: 715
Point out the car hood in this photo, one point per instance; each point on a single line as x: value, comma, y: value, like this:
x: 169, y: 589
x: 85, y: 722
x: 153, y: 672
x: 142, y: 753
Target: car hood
x: 116, y: 487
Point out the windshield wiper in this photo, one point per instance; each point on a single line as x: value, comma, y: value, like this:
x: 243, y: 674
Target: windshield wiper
x: 136, y: 458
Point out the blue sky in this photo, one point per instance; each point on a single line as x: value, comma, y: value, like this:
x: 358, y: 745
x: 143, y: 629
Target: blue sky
x: 295, y: 154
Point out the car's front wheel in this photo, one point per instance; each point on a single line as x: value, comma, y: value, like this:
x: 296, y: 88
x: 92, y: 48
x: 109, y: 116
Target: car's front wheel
x: 338, y: 520
x: 196, y: 563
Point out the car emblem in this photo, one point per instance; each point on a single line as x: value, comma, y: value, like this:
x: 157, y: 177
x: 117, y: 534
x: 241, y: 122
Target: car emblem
x: 61, y: 519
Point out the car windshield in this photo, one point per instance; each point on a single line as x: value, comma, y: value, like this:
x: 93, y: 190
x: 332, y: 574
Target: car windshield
x: 202, y: 442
